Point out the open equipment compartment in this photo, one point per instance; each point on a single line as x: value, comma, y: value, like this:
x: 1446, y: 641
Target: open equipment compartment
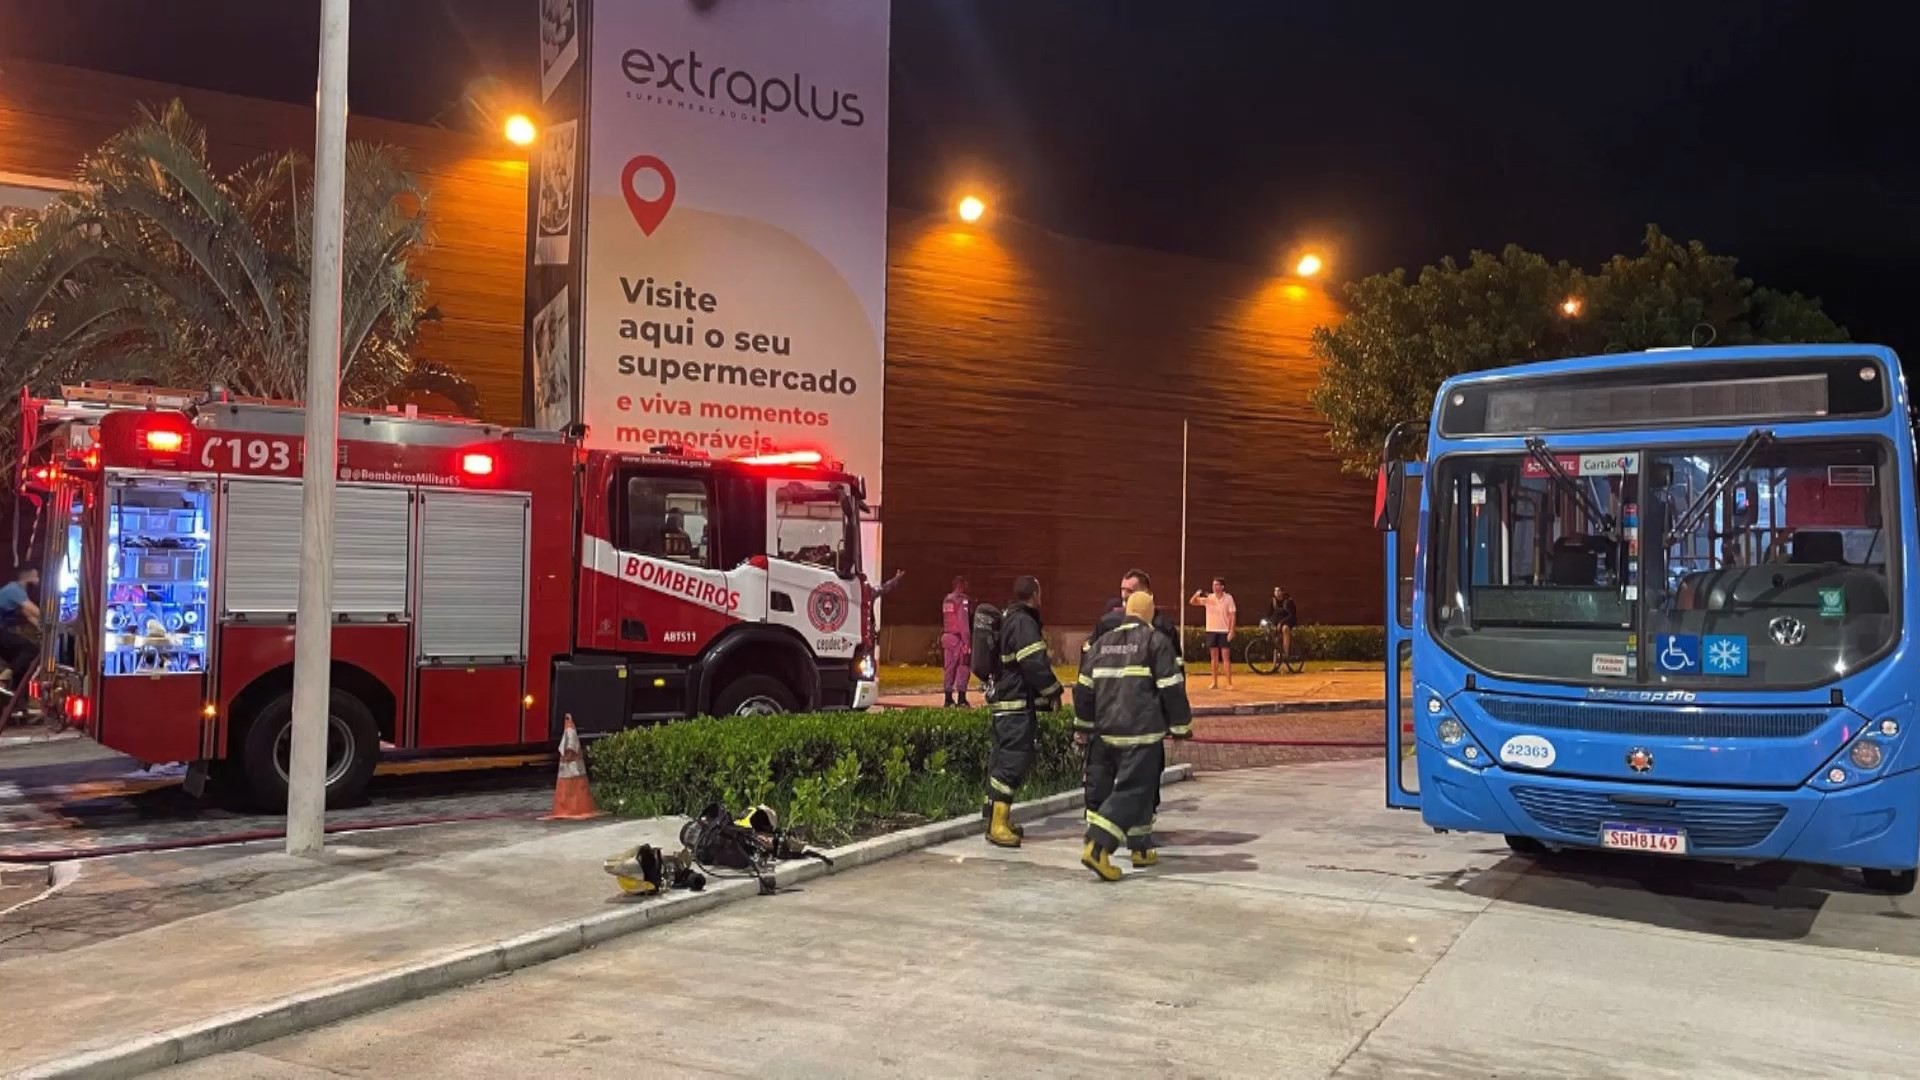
x: 156, y: 611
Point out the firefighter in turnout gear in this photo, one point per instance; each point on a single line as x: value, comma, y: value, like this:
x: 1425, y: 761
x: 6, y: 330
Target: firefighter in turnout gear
x: 1133, y: 581
x: 1025, y: 686
x: 1130, y: 697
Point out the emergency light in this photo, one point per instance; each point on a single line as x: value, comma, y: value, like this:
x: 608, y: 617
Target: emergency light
x: 164, y: 442
x: 791, y: 457
x: 477, y: 464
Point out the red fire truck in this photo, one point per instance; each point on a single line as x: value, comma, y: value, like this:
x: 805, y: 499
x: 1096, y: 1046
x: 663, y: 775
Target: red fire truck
x: 488, y: 582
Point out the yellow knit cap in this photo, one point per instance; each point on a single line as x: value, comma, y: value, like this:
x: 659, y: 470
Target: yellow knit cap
x: 1140, y: 606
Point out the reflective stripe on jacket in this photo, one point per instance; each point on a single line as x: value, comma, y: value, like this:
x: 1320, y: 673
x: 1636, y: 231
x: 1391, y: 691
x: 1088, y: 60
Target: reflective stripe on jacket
x: 1025, y: 674
x: 1131, y: 690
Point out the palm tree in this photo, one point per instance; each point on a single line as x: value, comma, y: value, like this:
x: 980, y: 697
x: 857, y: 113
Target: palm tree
x: 158, y: 268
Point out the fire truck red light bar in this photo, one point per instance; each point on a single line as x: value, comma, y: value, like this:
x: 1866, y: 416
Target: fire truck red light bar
x: 792, y: 457
x: 477, y: 464
x: 165, y: 442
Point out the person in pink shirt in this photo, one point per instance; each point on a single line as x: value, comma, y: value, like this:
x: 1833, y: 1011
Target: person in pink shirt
x: 1221, y: 616
x: 956, y: 652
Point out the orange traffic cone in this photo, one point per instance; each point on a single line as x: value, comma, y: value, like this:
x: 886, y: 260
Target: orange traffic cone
x: 572, y: 799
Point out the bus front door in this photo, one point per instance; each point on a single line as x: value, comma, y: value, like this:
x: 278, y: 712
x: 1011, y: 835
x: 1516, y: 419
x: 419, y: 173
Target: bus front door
x: 1402, y: 556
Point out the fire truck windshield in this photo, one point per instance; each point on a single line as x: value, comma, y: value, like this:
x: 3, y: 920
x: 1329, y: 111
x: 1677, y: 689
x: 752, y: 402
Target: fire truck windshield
x: 814, y: 524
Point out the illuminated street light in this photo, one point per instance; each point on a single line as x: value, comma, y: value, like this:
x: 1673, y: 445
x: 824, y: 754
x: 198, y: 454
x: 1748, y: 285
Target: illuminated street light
x: 520, y: 130
x: 971, y: 209
x: 1309, y: 265
x: 1572, y: 306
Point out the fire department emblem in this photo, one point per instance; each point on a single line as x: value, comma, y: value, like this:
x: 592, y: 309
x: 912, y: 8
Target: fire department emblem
x: 827, y: 607
x: 1640, y: 760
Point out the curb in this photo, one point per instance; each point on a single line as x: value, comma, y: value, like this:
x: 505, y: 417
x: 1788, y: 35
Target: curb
x: 1259, y: 708
x: 1276, y: 708
x: 36, y: 739
x: 330, y: 1004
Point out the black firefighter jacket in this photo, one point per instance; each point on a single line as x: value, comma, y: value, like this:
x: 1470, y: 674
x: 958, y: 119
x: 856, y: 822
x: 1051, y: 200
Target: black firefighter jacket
x: 1131, y: 691
x: 1025, y: 676
x: 1113, y: 619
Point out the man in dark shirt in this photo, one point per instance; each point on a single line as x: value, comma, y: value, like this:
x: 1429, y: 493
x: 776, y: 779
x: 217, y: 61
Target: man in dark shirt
x: 1283, y: 616
x: 19, y: 623
x: 1132, y: 582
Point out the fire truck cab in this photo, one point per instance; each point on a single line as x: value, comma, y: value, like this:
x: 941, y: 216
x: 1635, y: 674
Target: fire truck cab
x: 488, y: 583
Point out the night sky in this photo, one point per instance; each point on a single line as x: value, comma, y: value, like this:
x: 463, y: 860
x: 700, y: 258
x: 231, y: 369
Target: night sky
x: 1394, y: 133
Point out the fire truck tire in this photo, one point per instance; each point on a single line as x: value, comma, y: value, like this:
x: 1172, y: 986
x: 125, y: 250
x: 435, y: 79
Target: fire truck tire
x: 353, y: 749
x: 753, y: 695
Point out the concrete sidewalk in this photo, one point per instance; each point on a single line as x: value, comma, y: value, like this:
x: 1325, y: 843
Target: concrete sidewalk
x: 283, y: 943
x: 1293, y: 928
x: 1252, y: 695
x: 381, y: 913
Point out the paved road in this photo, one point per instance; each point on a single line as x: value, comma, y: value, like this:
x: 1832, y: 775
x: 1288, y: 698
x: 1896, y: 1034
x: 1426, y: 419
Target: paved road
x: 1293, y: 929
x: 70, y: 797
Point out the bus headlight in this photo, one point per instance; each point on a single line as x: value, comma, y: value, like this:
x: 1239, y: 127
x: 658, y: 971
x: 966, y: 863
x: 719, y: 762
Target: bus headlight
x: 1866, y: 754
x: 1452, y: 732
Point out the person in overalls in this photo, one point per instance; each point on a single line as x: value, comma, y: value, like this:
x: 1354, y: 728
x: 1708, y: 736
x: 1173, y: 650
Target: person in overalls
x: 956, y: 653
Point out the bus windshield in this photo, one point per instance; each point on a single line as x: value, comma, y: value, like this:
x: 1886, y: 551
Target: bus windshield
x: 1595, y: 572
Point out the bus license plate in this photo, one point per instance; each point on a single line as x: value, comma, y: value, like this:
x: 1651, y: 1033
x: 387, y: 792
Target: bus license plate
x: 1649, y: 838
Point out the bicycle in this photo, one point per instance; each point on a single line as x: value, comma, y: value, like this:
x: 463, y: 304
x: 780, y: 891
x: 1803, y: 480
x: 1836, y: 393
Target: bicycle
x: 1264, y: 652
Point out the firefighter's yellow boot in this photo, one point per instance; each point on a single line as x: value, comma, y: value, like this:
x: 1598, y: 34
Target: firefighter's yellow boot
x: 986, y: 814
x: 1148, y: 857
x: 1098, y: 861
x: 1000, y: 831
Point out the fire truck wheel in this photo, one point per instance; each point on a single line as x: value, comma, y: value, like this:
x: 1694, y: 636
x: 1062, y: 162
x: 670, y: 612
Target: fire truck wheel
x: 353, y: 749
x: 753, y: 695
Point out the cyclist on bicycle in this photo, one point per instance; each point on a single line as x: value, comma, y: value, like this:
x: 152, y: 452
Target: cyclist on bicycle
x: 1283, y: 616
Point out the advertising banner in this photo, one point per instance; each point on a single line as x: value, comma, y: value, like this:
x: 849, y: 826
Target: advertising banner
x: 730, y: 237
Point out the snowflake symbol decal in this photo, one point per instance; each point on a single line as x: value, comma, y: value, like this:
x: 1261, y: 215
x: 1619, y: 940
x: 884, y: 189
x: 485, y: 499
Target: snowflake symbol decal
x: 1724, y: 656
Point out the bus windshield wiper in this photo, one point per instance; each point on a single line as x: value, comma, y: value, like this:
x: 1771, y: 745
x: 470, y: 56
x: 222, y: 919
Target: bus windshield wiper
x: 1538, y: 451
x: 1756, y: 440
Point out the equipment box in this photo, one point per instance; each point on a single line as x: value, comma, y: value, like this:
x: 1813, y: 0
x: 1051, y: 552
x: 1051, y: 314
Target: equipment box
x: 157, y: 565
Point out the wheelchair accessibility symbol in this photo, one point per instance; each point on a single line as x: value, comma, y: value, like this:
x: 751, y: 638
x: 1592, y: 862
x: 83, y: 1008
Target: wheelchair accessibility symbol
x: 1678, y: 654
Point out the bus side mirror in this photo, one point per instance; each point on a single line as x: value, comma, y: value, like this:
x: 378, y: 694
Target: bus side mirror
x: 1386, y: 496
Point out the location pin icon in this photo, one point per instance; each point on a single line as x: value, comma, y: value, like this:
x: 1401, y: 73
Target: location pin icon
x: 647, y: 213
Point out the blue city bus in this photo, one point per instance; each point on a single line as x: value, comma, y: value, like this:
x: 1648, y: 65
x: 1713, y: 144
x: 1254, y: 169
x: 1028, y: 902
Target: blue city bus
x: 1654, y: 602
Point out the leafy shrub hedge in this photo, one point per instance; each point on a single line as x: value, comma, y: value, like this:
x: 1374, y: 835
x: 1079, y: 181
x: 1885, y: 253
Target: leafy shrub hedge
x: 1359, y: 643
x: 832, y: 776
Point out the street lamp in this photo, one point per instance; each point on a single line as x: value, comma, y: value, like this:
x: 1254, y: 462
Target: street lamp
x: 971, y: 209
x: 520, y: 130
x: 1572, y: 306
x: 1309, y: 265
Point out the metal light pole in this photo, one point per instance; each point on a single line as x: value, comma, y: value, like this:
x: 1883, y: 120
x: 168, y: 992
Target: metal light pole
x: 1183, y: 542
x: 313, y: 623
